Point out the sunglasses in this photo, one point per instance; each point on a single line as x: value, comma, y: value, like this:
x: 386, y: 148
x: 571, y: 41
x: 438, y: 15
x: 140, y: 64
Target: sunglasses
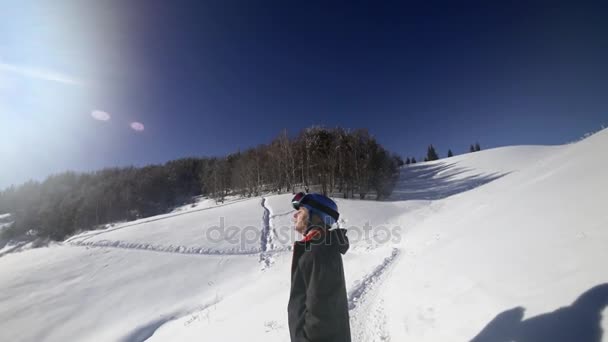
x: 303, y: 198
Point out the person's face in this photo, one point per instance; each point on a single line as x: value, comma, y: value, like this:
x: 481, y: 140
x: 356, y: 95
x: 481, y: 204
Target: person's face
x: 301, y: 220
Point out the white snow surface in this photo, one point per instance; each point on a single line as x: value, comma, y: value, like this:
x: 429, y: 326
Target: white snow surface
x: 505, y: 244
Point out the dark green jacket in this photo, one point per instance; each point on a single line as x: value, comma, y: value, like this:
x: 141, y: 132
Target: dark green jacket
x: 318, y: 306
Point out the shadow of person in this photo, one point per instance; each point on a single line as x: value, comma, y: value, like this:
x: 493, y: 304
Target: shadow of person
x: 579, y: 322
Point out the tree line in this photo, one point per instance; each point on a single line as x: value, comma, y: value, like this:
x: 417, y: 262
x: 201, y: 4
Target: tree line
x: 336, y: 161
x: 431, y: 154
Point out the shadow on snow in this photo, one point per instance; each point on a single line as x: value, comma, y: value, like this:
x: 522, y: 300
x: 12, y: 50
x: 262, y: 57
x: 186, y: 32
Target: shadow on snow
x: 579, y: 322
x: 436, y: 181
x: 146, y: 331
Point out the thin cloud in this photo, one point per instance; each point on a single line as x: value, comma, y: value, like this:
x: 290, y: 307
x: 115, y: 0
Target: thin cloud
x: 40, y: 74
x: 137, y: 126
x: 100, y: 115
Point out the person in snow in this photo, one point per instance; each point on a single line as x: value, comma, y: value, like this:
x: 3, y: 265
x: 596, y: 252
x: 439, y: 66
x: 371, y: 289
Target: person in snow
x: 318, y: 307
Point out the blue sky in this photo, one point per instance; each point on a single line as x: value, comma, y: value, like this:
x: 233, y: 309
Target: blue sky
x: 211, y: 77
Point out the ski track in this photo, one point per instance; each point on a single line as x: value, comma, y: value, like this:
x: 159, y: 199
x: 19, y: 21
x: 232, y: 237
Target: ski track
x: 282, y: 214
x: 85, y: 236
x: 359, y: 291
x: 266, y: 250
x: 266, y: 243
x: 169, y: 249
x: 368, y: 319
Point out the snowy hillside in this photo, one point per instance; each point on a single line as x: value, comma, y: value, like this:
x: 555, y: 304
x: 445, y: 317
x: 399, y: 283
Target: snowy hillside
x: 486, y: 245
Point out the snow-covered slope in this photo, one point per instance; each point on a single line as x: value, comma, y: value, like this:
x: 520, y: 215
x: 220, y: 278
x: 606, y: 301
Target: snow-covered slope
x: 463, y: 240
x: 195, y: 231
x: 535, y: 238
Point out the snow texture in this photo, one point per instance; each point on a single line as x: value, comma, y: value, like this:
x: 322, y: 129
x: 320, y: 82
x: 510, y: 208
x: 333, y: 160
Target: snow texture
x: 505, y: 244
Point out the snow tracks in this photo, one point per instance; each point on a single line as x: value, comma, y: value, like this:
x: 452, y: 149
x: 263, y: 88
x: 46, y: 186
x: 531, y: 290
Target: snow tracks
x: 366, y: 306
x: 265, y: 249
x: 266, y: 243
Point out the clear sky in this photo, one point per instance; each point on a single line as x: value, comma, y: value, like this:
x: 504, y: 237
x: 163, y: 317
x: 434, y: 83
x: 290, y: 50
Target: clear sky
x: 88, y: 84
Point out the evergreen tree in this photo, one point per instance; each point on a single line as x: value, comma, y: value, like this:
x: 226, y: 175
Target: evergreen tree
x: 477, y: 147
x: 471, y: 148
x: 450, y: 154
x: 407, y: 161
x: 431, y: 154
x: 413, y: 160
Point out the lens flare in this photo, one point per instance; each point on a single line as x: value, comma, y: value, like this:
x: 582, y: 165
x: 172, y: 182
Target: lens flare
x: 100, y: 115
x: 137, y: 126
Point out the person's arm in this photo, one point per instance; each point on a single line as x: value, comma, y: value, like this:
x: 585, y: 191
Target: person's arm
x: 322, y: 284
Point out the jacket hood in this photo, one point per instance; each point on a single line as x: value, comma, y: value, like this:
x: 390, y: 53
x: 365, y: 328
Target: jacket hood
x: 339, y: 240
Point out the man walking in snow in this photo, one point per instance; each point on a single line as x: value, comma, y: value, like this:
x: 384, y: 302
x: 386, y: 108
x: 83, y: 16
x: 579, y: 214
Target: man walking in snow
x: 318, y: 307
